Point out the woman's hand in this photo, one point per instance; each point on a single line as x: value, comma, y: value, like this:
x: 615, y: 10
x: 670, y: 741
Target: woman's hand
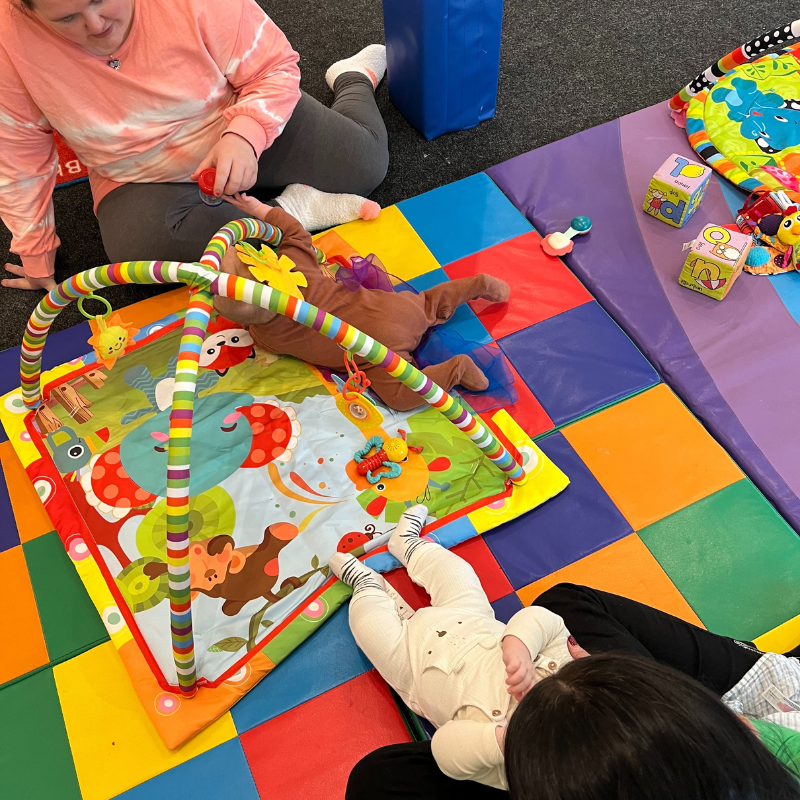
x: 26, y: 282
x: 520, y: 672
x: 235, y: 162
x: 575, y: 650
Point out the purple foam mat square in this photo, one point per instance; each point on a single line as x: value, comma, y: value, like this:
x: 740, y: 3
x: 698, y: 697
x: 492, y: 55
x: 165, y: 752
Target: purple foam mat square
x: 577, y: 362
x: 580, y: 520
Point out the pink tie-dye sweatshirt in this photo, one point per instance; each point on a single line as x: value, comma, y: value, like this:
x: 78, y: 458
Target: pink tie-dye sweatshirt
x: 191, y: 70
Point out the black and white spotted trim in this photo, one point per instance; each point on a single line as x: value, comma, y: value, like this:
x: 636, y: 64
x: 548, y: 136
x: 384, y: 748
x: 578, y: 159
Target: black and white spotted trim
x: 755, y: 47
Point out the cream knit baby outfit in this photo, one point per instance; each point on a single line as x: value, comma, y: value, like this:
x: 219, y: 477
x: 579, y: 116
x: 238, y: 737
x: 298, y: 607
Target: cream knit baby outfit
x: 446, y: 661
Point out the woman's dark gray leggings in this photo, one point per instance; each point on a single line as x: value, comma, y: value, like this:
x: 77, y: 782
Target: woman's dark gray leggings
x: 343, y: 149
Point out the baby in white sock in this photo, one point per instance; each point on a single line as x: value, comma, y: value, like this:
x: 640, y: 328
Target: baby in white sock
x: 453, y: 663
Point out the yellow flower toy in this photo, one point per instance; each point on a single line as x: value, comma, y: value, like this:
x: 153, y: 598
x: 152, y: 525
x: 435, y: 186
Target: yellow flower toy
x: 277, y: 273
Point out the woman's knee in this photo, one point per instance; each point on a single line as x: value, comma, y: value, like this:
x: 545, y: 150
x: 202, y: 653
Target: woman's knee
x: 556, y: 597
x: 387, y: 771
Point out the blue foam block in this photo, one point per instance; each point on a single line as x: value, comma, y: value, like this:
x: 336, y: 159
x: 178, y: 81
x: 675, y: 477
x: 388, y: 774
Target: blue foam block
x: 578, y: 521
x: 578, y: 362
x: 443, y: 60
x: 464, y: 217
x: 220, y: 772
x: 325, y: 660
x: 506, y: 607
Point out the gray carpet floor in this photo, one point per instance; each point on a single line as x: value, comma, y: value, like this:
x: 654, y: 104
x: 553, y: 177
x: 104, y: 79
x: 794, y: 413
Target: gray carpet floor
x: 565, y: 67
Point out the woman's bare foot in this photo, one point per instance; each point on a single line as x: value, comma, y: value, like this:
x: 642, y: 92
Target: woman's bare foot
x: 26, y: 282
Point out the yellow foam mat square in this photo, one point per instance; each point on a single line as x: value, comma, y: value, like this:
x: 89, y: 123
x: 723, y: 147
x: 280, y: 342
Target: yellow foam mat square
x: 549, y: 480
x: 393, y: 240
x: 781, y: 639
x: 114, y: 745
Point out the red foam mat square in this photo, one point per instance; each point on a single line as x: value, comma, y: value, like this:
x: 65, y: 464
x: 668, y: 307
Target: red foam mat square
x: 308, y: 752
x: 541, y: 285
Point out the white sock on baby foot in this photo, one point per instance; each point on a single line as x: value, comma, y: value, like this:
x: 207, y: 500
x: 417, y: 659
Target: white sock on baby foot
x: 316, y: 210
x: 348, y: 569
x: 405, y: 538
x: 371, y: 61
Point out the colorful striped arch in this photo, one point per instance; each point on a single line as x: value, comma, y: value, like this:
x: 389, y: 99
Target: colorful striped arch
x: 205, y: 281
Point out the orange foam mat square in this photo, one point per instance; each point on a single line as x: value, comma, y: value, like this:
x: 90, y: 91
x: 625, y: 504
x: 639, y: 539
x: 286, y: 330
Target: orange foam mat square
x: 308, y: 752
x: 625, y: 568
x: 21, y: 638
x: 32, y: 520
x: 651, y: 456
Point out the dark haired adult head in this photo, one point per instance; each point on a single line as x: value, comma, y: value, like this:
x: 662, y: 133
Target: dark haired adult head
x: 618, y: 727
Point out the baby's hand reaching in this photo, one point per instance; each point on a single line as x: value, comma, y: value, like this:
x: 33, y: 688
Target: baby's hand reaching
x: 520, y: 673
x: 249, y: 205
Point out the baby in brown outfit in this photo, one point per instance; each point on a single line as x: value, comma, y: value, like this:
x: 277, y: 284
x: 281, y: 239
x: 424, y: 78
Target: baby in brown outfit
x: 397, y: 320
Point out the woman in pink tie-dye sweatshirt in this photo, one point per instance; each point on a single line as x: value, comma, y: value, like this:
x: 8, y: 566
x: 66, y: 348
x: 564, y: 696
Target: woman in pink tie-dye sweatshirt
x: 148, y: 93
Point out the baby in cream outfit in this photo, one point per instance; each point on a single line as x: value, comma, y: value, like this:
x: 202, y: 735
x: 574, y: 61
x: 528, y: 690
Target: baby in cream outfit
x: 452, y: 663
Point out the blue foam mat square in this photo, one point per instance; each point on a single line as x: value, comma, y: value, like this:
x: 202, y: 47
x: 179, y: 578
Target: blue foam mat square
x: 327, y: 659
x: 60, y: 348
x: 578, y: 362
x: 464, y: 322
x: 506, y: 607
x: 580, y: 520
x: 9, y: 536
x: 463, y: 217
x: 220, y: 772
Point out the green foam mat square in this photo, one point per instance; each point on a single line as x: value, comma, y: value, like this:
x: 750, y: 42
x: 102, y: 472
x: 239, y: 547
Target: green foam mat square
x: 35, y: 757
x: 733, y: 558
x: 70, y: 622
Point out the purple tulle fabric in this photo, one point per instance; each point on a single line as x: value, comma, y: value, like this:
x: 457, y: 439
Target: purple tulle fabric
x: 439, y: 345
x: 369, y: 273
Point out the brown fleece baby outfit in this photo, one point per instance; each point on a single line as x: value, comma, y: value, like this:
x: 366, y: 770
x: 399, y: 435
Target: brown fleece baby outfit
x: 397, y: 320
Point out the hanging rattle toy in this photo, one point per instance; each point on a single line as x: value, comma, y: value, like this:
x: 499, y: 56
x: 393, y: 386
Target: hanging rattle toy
x: 559, y: 244
x: 353, y: 403
x: 112, y: 338
x: 388, y: 455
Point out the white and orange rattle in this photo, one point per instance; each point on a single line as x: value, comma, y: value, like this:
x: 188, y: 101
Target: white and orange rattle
x: 559, y: 244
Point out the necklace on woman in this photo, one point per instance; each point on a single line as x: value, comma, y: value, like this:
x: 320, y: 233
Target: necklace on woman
x: 114, y: 63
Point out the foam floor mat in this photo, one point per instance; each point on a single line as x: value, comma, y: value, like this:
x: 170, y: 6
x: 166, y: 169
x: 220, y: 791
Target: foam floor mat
x: 655, y: 510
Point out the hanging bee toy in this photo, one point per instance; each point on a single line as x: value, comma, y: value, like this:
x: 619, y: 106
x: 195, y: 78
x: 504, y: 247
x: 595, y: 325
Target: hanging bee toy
x: 388, y: 455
